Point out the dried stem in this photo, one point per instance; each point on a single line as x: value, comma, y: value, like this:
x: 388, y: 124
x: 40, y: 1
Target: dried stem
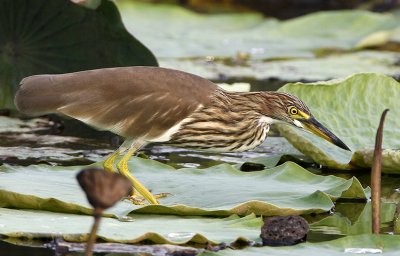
x: 93, y: 233
x: 376, y: 177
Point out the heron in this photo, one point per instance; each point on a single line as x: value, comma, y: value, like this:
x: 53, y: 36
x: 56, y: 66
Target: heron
x: 153, y: 104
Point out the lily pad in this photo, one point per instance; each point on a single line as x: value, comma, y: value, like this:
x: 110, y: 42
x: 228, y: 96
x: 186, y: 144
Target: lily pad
x: 387, y: 245
x: 283, y: 190
x: 241, y: 47
x: 224, y: 35
x: 291, y: 70
x: 339, y: 224
x: 159, y: 229
x: 58, y: 37
x: 350, y: 108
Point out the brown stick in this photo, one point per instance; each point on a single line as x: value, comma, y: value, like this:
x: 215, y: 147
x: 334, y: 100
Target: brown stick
x: 376, y: 177
x: 93, y: 233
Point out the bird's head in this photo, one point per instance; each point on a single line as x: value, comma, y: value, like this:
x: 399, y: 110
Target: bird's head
x: 289, y: 109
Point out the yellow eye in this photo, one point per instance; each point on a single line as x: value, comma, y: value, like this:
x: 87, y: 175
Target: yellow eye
x: 293, y: 110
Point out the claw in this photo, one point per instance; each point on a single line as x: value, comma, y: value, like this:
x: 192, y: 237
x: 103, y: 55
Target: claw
x: 140, y: 200
x: 161, y: 195
x: 135, y: 200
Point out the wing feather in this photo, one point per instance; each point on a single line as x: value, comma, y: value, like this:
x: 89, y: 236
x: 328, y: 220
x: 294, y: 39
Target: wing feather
x: 130, y: 101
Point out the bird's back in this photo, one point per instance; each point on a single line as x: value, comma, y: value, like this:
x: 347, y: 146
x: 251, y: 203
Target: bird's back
x: 129, y: 101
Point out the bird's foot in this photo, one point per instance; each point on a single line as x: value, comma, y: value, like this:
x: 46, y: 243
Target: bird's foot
x: 140, y: 200
x: 136, y: 200
x: 161, y: 195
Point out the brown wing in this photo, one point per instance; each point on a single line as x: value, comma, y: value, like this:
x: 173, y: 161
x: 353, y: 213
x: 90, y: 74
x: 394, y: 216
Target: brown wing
x: 129, y: 101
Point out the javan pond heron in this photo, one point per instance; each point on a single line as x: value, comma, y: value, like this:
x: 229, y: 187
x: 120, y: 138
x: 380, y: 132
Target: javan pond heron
x: 152, y: 104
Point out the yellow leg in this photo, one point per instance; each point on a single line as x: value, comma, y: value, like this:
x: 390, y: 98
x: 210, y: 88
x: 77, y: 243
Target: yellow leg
x: 122, y: 167
x: 108, y: 164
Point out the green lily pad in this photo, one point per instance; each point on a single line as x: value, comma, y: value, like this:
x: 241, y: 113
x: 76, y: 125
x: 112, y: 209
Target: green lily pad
x: 350, y: 108
x: 387, y: 244
x: 224, y: 35
x: 283, y: 190
x: 292, y: 70
x: 58, y: 37
x: 159, y: 229
x: 339, y: 224
x: 213, y: 43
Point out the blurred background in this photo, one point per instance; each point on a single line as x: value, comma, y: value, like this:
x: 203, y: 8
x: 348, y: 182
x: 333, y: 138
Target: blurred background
x: 260, y: 44
x: 268, y: 43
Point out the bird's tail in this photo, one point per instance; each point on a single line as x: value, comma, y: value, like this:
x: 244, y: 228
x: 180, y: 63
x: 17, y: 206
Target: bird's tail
x: 37, y: 95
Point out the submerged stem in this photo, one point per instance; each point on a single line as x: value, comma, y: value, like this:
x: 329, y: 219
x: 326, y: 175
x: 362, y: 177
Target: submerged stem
x: 93, y: 233
x: 376, y: 177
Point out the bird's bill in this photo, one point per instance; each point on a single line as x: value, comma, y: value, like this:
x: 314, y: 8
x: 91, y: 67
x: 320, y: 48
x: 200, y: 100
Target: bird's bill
x: 312, y: 125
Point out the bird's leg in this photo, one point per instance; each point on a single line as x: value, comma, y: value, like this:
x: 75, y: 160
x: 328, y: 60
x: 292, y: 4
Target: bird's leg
x: 122, y: 167
x: 108, y: 164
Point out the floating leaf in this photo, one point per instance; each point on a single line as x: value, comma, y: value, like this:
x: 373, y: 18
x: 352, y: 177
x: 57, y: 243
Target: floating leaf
x: 284, y: 190
x: 214, y: 43
x: 224, y: 35
x: 59, y: 36
x: 176, y: 230
x: 350, y: 108
x: 292, y: 70
x: 159, y: 229
x: 339, y: 224
x: 388, y: 245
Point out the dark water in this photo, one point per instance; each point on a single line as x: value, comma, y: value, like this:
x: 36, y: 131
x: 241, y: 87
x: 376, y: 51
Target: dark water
x: 10, y: 249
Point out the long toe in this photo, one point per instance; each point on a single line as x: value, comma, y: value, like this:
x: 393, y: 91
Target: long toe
x: 161, y: 195
x: 137, y: 200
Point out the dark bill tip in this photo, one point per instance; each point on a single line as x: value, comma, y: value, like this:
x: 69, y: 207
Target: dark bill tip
x: 340, y: 144
x: 317, y: 128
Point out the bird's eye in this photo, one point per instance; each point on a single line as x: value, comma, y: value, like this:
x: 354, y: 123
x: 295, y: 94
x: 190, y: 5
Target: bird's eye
x: 293, y: 110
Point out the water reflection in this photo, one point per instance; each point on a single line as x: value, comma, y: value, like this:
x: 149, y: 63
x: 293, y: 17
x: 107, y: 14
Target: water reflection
x: 351, y: 219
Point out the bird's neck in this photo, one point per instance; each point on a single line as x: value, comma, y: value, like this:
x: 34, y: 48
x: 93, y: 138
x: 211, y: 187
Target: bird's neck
x: 247, y: 104
x: 231, y: 122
